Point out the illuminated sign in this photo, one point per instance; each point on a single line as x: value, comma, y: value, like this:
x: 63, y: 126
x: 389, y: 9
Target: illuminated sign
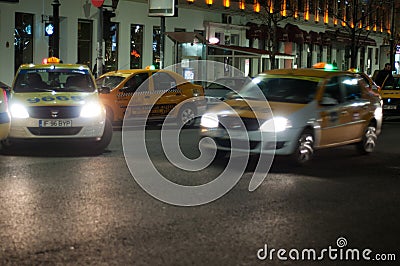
x: 48, y: 29
x: 162, y: 8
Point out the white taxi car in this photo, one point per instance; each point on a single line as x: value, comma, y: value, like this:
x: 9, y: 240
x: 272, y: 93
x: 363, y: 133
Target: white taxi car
x: 308, y: 109
x: 57, y: 102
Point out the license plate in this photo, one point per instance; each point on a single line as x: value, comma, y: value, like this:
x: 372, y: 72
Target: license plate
x: 392, y: 107
x: 55, y: 123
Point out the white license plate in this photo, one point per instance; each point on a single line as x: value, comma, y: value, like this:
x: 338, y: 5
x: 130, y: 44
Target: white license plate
x: 55, y: 123
x: 392, y: 107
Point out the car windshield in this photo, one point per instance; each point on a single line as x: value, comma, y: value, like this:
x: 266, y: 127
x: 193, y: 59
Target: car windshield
x: 220, y: 87
x: 281, y: 89
x: 109, y: 81
x: 392, y: 86
x: 217, y: 92
x: 57, y: 79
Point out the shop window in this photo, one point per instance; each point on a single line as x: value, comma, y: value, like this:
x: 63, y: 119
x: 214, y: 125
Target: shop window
x: 85, y: 42
x: 136, y: 46
x: 23, y: 39
x: 156, y: 46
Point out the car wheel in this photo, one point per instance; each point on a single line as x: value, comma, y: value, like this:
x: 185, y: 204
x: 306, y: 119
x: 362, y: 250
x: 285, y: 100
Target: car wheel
x: 6, y: 145
x: 368, y: 142
x: 305, y: 148
x: 186, y: 116
x: 101, y: 144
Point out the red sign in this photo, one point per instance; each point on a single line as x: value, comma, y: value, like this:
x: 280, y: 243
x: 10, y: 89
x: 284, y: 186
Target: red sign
x: 97, y: 3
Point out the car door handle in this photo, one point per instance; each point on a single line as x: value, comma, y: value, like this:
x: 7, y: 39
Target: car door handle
x: 146, y: 97
x: 344, y: 112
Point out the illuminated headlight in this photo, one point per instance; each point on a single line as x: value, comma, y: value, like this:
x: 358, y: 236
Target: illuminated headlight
x: 277, y: 124
x: 378, y: 113
x: 209, y: 120
x: 91, y: 109
x: 19, y: 111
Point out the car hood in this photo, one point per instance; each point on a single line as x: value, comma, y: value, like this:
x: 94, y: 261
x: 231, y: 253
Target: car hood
x: 255, y: 109
x: 54, y: 98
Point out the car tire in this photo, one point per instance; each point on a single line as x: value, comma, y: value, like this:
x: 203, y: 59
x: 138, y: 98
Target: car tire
x: 304, y: 151
x: 6, y: 146
x: 186, y: 116
x: 368, y: 142
x: 99, y: 146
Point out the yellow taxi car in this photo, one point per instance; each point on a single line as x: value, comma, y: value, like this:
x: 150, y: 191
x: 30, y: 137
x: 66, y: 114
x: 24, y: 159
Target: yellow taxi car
x: 390, y: 93
x: 60, y: 102
x: 4, y: 115
x: 308, y: 109
x: 157, y: 90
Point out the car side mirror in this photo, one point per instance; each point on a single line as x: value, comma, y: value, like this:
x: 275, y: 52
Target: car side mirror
x: 328, y: 101
x: 105, y: 90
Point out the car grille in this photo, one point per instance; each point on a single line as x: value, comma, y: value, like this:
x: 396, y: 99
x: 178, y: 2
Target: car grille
x: 241, y: 144
x: 55, y: 131
x: 231, y: 122
x: 61, y: 112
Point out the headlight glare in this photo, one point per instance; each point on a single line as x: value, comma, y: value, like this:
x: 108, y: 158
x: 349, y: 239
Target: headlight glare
x: 209, y: 120
x: 277, y: 124
x: 18, y: 111
x: 91, y: 109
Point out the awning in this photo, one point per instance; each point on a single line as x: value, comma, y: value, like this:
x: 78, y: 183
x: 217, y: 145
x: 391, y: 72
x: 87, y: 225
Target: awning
x: 245, y: 52
x: 282, y: 34
x: 186, y: 37
x: 316, y: 38
x: 295, y: 34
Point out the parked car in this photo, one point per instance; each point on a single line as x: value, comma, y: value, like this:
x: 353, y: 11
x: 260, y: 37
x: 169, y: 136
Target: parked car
x: 57, y: 102
x: 390, y: 93
x: 309, y: 109
x: 158, y: 92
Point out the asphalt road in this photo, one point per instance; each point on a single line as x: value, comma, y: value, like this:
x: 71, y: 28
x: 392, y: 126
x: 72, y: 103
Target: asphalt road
x: 60, y: 206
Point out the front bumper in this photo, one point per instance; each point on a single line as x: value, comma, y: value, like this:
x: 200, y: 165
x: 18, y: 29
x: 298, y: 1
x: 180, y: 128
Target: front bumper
x: 30, y: 128
x: 281, y: 143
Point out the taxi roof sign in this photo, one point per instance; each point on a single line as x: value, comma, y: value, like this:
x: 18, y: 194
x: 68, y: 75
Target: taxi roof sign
x: 50, y: 60
x: 325, y: 66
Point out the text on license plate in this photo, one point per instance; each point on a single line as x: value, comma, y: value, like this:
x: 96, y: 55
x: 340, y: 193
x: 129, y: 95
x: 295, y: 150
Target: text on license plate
x: 55, y: 123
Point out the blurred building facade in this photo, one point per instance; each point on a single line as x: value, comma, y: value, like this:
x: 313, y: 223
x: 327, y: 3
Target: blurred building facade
x: 237, y: 33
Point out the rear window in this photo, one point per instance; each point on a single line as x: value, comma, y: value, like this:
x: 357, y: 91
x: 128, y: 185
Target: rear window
x: 58, y: 80
x: 282, y: 89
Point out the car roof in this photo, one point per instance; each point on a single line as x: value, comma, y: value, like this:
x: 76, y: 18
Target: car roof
x: 54, y: 66
x: 310, y: 72
x: 232, y: 78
